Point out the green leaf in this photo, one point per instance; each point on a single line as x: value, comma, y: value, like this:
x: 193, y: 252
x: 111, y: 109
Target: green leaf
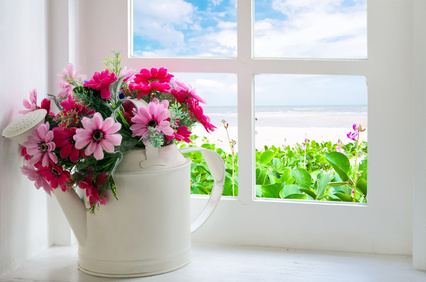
x: 363, y: 169
x: 302, y: 176
x: 266, y: 157
x: 259, y: 191
x: 289, y: 190
x: 340, y: 163
x: 324, y: 179
x: 113, y: 187
x: 297, y: 197
x: 308, y: 192
x: 272, y: 190
x: 115, y: 87
x: 361, y: 184
x: 344, y: 197
x: 338, y: 183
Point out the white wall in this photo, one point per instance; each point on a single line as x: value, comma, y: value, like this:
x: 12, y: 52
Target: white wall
x: 23, y: 67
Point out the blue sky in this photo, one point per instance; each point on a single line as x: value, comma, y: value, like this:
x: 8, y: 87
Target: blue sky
x: 283, y: 28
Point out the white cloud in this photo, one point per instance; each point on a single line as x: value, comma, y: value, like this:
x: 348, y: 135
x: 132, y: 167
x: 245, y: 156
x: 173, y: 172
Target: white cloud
x: 181, y: 31
x: 312, y: 29
x: 153, y: 19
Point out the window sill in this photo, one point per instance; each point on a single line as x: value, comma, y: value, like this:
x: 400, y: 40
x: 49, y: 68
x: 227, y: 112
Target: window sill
x: 237, y: 263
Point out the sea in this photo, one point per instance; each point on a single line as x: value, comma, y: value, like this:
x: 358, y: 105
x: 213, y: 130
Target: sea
x: 324, y: 116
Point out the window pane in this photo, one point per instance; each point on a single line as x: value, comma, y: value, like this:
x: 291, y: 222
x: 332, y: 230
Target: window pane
x: 311, y: 28
x: 178, y: 28
x: 220, y: 91
x: 301, y: 118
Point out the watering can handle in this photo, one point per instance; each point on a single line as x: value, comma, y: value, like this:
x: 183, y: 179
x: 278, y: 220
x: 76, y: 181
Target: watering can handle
x: 217, y: 170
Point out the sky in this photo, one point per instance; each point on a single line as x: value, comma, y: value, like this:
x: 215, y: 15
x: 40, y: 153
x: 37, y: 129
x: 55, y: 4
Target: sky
x: 282, y: 29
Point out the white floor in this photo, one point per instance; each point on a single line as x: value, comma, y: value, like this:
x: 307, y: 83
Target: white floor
x: 230, y: 263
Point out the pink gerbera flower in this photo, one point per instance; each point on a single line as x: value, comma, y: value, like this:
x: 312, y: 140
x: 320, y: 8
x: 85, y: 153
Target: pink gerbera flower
x: 91, y: 187
x: 38, y: 179
x: 148, y: 80
x: 56, y: 175
x: 155, y: 116
x: 64, y: 139
x: 97, y: 135
x: 102, y: 81
x: 40, y: 145
x: 30, y: 105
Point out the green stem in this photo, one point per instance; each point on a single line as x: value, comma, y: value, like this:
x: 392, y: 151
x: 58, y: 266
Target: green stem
x: 356, y: 167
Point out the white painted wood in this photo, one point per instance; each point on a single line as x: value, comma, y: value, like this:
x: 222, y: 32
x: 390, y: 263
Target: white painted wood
x: 238, y: 264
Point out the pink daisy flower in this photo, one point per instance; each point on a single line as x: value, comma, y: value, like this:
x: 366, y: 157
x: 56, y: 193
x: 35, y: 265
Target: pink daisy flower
x: 38, y: 179
x: 147, y: 80
x: 64, y: 139
x: 56, y: 175
x: 97, y: 135
x: 156, y: 116
x: 64, y: 83
x: 30, y: 105
x: 91, y: 187
x: 102, y: 81
x: 129, y: 72
x: 40, y: 145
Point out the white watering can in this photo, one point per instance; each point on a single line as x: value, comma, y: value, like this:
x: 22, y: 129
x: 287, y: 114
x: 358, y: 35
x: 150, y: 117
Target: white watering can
x: 148, y: 230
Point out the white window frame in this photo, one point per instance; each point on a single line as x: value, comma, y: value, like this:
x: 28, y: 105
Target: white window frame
x: 387, y: 222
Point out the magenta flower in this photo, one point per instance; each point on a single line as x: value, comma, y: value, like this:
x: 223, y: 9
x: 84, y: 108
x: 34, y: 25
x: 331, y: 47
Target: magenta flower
x: 56, y: 175
x: 102, y: 81
x: 72, y: 113
x: 197, y: 111
x: 147, y: 80
x: 91, y: 187
x: 40, y: 145
x: 181, y: 133
x: 97, y: 135
x: 181, y: 91
x: 156, y: 116
x: 38, y: 179
x: 353, y: 135
x: 30, y: 105
x: 64, y: 139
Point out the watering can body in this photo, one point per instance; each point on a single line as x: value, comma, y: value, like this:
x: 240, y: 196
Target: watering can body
x: 147, y: 231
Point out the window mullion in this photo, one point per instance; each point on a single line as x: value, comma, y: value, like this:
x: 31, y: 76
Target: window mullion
x: 245, y: 101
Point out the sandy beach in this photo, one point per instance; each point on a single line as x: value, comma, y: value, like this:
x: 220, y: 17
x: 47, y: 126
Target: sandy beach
x: 290, y: 129
x: 279, y: 136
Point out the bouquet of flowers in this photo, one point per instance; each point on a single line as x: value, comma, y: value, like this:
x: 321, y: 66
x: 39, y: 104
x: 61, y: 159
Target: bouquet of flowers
x: 83, y: 144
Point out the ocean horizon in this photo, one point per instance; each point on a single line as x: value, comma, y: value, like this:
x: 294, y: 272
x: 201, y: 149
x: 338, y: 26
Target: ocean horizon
x: 296, y: 116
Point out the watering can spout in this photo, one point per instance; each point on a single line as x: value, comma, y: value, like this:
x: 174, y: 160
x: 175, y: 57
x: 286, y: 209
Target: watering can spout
x: 75, y: 212
x: 70, y: 202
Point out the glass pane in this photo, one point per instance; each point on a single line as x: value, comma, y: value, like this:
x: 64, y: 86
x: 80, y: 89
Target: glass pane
x: 309, y: 132
x: 220, y: 92
x: 311, y: 28
x: 178, y: 28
